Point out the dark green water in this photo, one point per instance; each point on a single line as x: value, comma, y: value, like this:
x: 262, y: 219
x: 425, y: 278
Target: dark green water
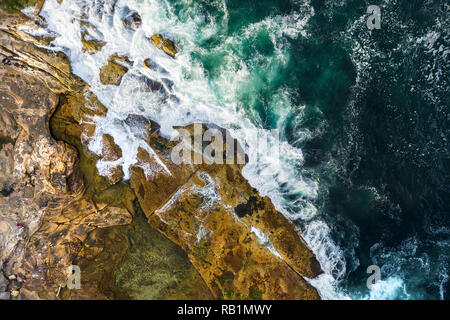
x: 376, y: 107
x: 365, y: 115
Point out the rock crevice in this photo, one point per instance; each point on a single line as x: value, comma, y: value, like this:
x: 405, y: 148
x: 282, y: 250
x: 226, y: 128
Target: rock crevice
x: 56, y: 209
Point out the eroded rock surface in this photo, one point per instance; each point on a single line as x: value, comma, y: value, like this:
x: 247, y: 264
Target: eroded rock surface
x: 19, y: 4
x: 131, y: 19
x: 57, y: 209
x: 91, y: 45
x: 113, y: 71
x: 49, y: 203
x: 45, y: 213
x: 168, y: 46
x: 195, y: 206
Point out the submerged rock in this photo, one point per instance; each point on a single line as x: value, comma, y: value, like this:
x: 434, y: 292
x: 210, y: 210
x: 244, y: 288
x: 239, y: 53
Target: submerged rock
x: 165, y: 45
x: 19, y: 4
x: 148, y: 84
x: 91, y: 46
x: 131, y: 19
x: 152, y: 65
x: 191, y: 204
x: 56, y: 209
x: 148, y: 63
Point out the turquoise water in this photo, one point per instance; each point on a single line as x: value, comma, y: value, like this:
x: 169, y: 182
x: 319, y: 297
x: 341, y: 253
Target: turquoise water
x: 363, y: 117
x: 377, y: 119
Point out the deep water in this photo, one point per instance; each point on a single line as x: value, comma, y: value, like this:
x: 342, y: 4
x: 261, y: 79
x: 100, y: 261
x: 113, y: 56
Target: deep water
x: 385, y: 152
x: 363, y: 117
x: 379, y: 142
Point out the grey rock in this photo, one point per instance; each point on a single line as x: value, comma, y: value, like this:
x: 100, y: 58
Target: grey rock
x: 3, y: 282
x: 5, y: 296
x: 131, y: 19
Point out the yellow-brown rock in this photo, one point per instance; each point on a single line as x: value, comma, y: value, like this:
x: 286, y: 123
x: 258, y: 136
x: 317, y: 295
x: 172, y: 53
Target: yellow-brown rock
x: 203, y: 208
x: 57, y: 210
x: 17, y: 4
x: 45, y: 212
x: 226, y: 253
x: 110, y: 151
x: 165, y: 45
x: 91, y: 46
x: 38, y: 8
x: 147, y: 63
x: 112, y: 72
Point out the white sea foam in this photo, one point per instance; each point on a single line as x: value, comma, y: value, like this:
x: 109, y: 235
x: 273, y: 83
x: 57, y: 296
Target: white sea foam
x: 389, y: 289
x: 327, y: 287
x: 191, y: 96
x: 263, y: 240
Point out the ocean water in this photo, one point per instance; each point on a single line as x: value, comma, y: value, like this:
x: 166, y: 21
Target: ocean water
x: 362, y: 117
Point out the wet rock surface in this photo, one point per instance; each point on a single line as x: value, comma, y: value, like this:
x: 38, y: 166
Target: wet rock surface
x: 19, y: 4
x: 91, y: 45
x: 168, y: 46
x: 131, y: 19
x: 193, y: 205
x: 148, y: 63
x: 193, y: 224
x: 113, y: 71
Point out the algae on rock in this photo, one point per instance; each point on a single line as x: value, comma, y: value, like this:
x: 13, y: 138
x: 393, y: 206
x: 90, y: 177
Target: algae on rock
x: 112, y: 72
x: 91, y: 46
x: 155, y: 268
x: 17, y: 4
x: 75, y: 215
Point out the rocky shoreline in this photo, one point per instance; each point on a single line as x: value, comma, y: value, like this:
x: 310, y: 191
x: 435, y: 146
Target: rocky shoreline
x: 56, y: 210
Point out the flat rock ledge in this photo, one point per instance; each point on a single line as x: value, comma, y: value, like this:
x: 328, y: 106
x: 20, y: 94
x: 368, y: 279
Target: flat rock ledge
x: 56, y: 210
